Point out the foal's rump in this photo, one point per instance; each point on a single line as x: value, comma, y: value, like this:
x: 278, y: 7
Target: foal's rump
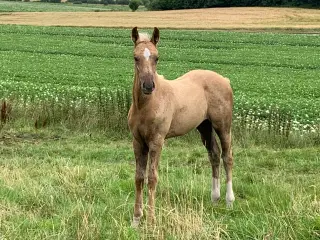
x: 199, y: 95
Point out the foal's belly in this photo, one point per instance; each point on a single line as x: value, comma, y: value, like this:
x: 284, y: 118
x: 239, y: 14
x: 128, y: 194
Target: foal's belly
x: 190, y: 108
x: 183, y: 123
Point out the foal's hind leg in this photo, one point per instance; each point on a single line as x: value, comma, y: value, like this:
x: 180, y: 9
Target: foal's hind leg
x: 225, y: 139
x: 209, y: 141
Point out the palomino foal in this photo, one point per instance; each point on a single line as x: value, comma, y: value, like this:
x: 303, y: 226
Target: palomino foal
x: 162, y: 109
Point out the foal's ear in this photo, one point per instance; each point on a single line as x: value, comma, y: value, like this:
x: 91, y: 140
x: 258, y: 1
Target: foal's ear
x: 134, y: 35
x: 155, y: 36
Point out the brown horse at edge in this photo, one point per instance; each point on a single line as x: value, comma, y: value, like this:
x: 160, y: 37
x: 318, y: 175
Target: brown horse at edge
x: 163, y: 109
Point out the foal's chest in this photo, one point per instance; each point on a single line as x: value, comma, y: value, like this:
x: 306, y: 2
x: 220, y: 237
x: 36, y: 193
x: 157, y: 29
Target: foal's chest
x: 148, y: 123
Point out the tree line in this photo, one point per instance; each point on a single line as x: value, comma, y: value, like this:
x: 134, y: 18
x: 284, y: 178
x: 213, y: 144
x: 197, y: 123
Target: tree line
x: 187, y: 4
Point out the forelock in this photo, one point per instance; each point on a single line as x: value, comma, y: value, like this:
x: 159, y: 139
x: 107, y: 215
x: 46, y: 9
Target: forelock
x: 144, y: 37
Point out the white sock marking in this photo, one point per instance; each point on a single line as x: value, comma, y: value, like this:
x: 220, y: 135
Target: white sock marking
x: 135, y: 222
x: 215, y: 195
x: 146, y: 54
x: 229, y: 195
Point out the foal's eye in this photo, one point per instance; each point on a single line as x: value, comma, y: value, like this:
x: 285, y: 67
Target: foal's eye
x: 157, y: 59
x: 136, y: 59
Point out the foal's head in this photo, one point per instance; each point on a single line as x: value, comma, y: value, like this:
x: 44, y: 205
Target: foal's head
x: 146, y: 58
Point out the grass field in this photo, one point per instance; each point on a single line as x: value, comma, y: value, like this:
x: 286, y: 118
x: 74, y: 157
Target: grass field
x: 71, y: 185
x: 66, y: 161
x: 6, y: 6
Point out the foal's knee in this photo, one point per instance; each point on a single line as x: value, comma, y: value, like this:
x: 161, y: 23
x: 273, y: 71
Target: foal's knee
x: 152, y: 181
x: 228, y: 161
x: 139, y: 179
x: 215, y: 156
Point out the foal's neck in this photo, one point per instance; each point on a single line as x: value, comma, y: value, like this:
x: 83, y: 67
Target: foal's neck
x: 139, y: 98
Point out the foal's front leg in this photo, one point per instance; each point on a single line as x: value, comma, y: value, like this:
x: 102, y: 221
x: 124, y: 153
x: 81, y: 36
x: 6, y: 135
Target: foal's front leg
x: 141, y: 156
x: 155, y: 148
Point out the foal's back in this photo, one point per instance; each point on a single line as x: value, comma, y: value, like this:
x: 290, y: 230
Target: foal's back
x: 199, y: 95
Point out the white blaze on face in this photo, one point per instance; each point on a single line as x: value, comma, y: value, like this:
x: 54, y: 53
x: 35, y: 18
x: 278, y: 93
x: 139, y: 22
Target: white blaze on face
x: 146, y: 54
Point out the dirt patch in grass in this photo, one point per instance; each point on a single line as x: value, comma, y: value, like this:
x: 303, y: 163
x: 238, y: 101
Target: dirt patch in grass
x: 252, y: 19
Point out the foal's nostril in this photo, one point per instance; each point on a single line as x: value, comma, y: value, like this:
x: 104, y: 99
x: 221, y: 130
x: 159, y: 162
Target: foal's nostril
x: 148, y: 87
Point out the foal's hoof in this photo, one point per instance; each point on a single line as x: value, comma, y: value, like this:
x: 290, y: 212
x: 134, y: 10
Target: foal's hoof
x: 151, y: 222
x: 135, y: 222
x: 215, y: 198
x: 229, y: 202
x: 215, y: 201
x: 229, y: 205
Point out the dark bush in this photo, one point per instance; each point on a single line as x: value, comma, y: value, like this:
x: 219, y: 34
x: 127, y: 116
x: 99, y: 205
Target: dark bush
x: 51, y: 1
x: 134, y: 5
x: 122, y: 2
x: 146, y: 3
x: 185, y: 4
x: 93, y: 1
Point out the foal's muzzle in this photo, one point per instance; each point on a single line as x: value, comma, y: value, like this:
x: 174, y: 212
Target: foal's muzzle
x: 148, y: 87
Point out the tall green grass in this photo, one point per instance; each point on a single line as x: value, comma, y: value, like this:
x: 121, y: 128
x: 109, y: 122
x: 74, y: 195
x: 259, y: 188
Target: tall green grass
x: 81, y: 186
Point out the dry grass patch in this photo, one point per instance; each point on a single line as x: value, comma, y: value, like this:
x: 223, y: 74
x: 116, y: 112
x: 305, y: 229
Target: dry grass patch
x: 249, y: 18
x: 13, y: 177
x: 185, y: 222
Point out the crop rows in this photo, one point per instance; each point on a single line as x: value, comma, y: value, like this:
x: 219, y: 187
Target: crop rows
x: 33, y: 6
x: 271, y: 74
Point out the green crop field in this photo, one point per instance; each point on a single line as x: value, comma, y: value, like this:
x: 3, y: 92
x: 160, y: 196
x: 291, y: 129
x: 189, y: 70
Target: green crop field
x: 10, y: 6
x: 66, y: 161
x: 275, y: 77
